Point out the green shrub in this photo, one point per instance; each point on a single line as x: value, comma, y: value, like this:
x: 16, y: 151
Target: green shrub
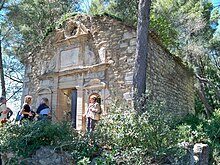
x: 26, y: 138
x: 129, y: 137
x: 198, y: 129
x: 213, y: 126
x: 121, y: 137
x: 23, y: 140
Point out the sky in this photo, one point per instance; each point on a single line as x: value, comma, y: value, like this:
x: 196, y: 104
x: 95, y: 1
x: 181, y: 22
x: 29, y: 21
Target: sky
x: 216, y: 2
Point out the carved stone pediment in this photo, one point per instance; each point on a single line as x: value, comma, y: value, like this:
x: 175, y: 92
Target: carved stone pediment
x: 59, y: 35
x: 74, y: 28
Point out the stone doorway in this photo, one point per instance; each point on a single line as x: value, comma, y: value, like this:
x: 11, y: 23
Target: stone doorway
x: 64, y: 105
x: 68, y: 105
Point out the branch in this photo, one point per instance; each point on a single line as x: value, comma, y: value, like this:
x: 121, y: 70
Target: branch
x: 208, y: 108
x: 14, y: 93
x: 6, y: 33
x: 2, y: 5
x: 16, y: 80
x: 211, y: 84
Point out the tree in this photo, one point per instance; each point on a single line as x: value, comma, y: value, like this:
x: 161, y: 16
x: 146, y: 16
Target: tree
x: 188, y: 29
x: 3, y: 91
x: 139, y: 77
x: 195, y: 24
x: 34, y: 19
x: 2, y: 73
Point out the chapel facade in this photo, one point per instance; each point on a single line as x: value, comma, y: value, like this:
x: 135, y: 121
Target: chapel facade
x: 95, y: 55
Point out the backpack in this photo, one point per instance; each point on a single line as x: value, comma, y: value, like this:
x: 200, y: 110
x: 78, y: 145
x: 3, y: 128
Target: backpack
x: 19, y: 116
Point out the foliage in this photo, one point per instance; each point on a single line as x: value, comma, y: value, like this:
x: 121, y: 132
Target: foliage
x: 213, y: 131
x: 189, y: 30
x: 213, y: 126
x: 121, y: 137
x: 130, y: 138
x: 197, y: 129
x: 32, y: 19
x: 26, y: 138
x: 93, y: 7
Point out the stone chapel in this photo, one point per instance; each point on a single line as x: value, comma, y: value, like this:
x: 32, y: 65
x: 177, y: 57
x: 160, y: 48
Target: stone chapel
x: 95, y: 55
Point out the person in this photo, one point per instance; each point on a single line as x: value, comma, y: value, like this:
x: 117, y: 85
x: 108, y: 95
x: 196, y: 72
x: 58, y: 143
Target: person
x: 92, y: 114
x: 43, y: 110
x: 5, y: 112
x: 26, y: 109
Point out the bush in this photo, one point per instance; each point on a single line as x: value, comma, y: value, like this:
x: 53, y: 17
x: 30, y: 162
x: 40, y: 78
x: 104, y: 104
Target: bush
x: 197, y: 129
x: 26, y: 138
x: 138, y: 138
x: 121, y: 137
x: 23, y: 140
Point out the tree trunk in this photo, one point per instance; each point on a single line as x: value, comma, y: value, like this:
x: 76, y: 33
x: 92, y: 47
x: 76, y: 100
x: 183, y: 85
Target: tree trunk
x: 139, y: 77
x: 2, y: 73
x: 208, y: 109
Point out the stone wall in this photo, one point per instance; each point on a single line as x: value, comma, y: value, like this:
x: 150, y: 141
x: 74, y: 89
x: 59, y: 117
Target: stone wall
x: 99, y: 58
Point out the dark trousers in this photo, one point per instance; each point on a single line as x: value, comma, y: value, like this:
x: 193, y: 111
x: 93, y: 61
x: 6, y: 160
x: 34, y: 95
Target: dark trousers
x: 0, y: 159
x: 91, y: 124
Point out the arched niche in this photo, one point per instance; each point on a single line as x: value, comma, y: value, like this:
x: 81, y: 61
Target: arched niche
x: 44, y: 92
x: 96, y: 86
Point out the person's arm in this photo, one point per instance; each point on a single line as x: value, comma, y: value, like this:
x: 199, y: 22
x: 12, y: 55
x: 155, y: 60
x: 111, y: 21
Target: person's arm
x: 3, y: 109
x: 7, y: 110
x: 96, y: 108
x: 23, y: 110
x: 25, y: 113
x: 84, y: 115
x: 38, y: 109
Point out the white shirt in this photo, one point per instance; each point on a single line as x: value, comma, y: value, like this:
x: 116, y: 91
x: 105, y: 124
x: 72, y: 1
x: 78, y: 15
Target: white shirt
x: 93, y: 110
x: 3, y: 108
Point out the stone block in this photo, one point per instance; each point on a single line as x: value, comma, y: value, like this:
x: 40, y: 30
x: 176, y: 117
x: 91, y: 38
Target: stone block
x: 123, y: 45
x: 131, y: 49
x: 128, y: 96
x: 133, y: 42
x: 69, y: 57
x: 201, y: 154
x: 128, y: 35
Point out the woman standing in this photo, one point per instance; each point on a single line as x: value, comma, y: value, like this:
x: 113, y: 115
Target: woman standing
x: 26, y: 109
x: 93, y: 113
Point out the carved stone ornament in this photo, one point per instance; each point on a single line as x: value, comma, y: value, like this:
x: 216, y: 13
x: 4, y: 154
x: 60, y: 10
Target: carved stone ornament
x: 74, y: 28
x: 59, y: 35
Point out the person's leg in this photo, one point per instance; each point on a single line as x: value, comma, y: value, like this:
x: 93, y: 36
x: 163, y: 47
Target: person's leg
x: 0, y: 159
x: 93, y: 124
x: 89, y: 122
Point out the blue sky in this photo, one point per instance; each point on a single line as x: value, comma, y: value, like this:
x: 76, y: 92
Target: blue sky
x: 216, y: 2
